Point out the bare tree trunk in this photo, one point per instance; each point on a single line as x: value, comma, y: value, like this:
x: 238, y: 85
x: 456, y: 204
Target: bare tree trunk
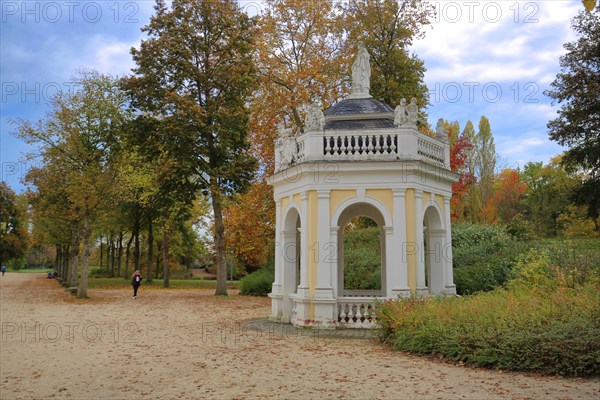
x: 158, y: 263
x: 101, y: 251
x: 150, y: 249
x: 74, y: 262
x: 64, y: 268
x: 113, y: 252
x: 108, y: 240
x: 165, y: 250
x: 58, y: 260
x: 120, y: 252
x: 136, y: 249
x: 83, y: 282
x: 127, y: 250
x: 219, y: 236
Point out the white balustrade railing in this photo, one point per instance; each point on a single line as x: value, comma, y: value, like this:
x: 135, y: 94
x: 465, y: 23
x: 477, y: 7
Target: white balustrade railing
x: 431, y: 149
x: 358, y: 312
x: 347, y: 145
x: 359, y: 145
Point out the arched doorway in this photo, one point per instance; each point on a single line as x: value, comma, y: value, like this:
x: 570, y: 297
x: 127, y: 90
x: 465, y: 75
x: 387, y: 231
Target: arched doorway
x: 433, y: 245
x: 291, y: 260
x: 362, y: 223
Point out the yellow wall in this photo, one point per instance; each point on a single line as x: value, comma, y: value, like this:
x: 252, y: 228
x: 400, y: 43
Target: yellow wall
x: 298, y: 200
x: 384, y: 196
x: 426, y: 197
x: 284, y: 203
x: 411, y: 239
x: 337, y: 197
x: 439, y: 199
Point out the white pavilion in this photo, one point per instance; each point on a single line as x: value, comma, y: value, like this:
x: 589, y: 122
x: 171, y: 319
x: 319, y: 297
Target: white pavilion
x: 360, y: 157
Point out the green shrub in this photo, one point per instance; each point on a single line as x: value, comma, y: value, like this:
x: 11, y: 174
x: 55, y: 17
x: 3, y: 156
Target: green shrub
x: 483, y: 256
x: 552, y: 331
x: 257, y: 283
x: 98, y: 272
x: 362, y: 259
x: 542, y: 322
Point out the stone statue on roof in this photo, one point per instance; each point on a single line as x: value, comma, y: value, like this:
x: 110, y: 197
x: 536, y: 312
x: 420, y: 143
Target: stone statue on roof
x: 440, y: 132
x: 361, y: 74
x: 401, y: 114
x: 315, y: 120
x: 288, y: 147
x: 413, y: 112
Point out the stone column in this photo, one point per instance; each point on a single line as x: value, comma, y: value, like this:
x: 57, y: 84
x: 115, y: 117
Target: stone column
x: 278, y: 249
x: 450, y: 288
x: 335, y: 264
x: 420, y: 245
x: 326, y: 249
x: 304, y: 250
x: 276, y: 294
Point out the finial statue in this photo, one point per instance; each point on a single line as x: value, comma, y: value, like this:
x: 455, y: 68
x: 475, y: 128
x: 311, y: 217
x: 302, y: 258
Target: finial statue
x: 440, y: 132
x: 315, y: 120
x: 361, y: 74
x: 401, y: 114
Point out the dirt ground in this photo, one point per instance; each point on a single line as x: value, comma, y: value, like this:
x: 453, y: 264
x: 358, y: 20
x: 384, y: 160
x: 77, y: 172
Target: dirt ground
x: 170, y: 344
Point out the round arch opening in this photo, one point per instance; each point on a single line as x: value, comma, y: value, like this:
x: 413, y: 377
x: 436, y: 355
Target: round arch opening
x: 361, y: 251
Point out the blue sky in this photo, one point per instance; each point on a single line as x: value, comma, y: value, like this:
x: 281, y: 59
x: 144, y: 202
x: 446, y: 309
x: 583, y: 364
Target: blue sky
x: 492, y: 58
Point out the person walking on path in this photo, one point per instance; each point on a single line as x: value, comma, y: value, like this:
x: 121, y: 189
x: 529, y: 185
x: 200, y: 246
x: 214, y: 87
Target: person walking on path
x: 136, y: 280
x: 3, y: 269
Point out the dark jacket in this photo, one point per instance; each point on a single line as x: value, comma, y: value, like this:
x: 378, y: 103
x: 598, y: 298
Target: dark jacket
x: 136, y: 282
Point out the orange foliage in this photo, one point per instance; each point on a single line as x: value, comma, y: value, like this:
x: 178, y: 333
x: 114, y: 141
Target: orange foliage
x: 505, y: 204
x: 250, y: 226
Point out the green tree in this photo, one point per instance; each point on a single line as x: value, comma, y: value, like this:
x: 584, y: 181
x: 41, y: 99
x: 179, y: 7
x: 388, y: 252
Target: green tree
x: 14, y: 238
x: 388, y: 28
x: 53, y: 214
x: 548, y: 194
x: 577, y: 89
x: 195, y: 73
x: 485, y: 162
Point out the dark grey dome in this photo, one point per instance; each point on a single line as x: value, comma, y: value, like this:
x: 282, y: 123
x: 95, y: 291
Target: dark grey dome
x: 359, y: 114
x: 360, y: 124
x: 358, y: 106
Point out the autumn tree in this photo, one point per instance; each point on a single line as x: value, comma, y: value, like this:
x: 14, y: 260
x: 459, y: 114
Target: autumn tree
x: 194, y: 75
x: 300, y: 61
x: 577, y: 89
x: 251, y: 235
x: 54, y: 216
x: 459, y: 151
x: 75, y: 141
x: 505, y: 203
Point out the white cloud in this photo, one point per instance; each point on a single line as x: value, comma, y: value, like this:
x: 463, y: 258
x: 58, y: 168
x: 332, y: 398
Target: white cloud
x: 112, y: 57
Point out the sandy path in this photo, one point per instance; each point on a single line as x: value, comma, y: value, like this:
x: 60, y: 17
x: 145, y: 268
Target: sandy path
x: 189, y: 344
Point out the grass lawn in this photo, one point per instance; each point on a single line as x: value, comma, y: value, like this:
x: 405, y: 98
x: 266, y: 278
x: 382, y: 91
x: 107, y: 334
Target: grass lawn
x: 38, y: 271
x: 114, y: 283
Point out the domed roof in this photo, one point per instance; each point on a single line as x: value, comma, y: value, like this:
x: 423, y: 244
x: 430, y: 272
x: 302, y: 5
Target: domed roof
x: 358, y: 106
x: 365, y: 113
